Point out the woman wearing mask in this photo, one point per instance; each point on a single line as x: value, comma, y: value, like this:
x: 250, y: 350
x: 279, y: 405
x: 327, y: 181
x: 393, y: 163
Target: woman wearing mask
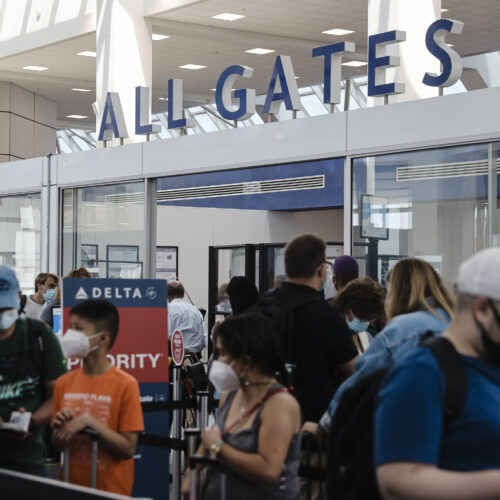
x: 418, y: 303
x: 256, y: 436
x: 361, y: 301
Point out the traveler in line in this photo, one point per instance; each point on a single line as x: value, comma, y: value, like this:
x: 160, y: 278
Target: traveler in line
x: 256, y: 435
x: 99, y: 396
x: 419, y: 452
x: 31, y: 361
x: 418, y: 302
x: 185, y: 317
x: 45, y: 291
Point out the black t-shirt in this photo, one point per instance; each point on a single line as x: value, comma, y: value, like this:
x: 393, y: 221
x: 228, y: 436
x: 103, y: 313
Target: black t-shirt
x: 321, y: 342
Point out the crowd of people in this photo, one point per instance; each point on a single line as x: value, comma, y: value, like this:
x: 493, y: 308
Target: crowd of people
x: 284, y: 364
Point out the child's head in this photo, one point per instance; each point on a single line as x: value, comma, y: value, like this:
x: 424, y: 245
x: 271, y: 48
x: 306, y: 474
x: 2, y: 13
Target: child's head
x: 96, y: 317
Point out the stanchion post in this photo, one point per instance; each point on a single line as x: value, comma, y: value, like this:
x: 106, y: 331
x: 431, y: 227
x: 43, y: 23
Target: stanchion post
x: 176, y: 433
x: 202, y: 412
x: 192, y: 441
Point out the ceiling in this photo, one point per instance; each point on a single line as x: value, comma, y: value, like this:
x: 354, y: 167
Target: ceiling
x: 290, y: 27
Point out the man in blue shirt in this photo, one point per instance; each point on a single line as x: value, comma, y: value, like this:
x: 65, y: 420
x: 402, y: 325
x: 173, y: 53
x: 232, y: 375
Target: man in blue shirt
x: 419, y: 454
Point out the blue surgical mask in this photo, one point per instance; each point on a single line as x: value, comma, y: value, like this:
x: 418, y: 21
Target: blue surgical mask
x: 49, y: 294
x: 356, y: 325
x: 8, y: 318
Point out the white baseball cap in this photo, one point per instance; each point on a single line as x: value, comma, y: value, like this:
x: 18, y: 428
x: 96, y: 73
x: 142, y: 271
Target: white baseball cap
x: 480, y: 274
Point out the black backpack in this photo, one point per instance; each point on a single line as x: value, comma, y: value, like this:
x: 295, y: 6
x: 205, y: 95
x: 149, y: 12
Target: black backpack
x: 282, y: 315
x: 351, y: 470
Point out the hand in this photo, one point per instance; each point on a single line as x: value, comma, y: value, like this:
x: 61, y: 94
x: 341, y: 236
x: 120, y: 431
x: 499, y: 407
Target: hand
x: 64, y: 435
x: 311, y: 427
x: 210, y: 436
x: 62, y: 418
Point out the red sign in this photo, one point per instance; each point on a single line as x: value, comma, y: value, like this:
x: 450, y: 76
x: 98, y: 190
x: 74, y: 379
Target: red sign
x: 177, y: 347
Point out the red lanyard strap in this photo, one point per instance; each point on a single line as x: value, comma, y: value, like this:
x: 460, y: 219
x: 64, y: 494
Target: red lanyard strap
x: 259, y: 403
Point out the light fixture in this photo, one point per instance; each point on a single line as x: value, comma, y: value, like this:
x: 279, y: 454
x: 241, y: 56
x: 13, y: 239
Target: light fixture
x: 35, y: 68
x: 80, y: 90
x: 163, y: 98
x: 86, y: 53
x: 76, y: 117
x: 354, y: 64
x: 192, y: 66
x: 444, y: 10
x: 337, y: 32
x: 226, y: 16
x: 156, y: 37
x: 259, y: 52
x: 213, y: 90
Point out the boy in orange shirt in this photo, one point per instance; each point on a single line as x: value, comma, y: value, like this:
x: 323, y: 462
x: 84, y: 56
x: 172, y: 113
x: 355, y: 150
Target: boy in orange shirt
x: 98, y: 396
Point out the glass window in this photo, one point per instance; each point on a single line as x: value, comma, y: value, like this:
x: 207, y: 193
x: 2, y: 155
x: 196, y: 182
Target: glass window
x: 430, y: 204
x: 20, y: 222
x: 103, y: 230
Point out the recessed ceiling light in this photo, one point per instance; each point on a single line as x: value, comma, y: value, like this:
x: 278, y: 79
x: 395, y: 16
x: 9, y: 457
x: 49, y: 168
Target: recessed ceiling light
x: 163, y: 98
x: 226, y: 16
x: 80, y: 90
x: 354, y: 64
x: 444, y: 10
x: 337, y: 32
x: 35, y: 68
x: 451, y: 45
x: 213, y: 90
x: 86, y: 53
x: 76, y: 117
x: 260, y: 52
x: 156, y: 37
x: 192, y: 66
x: 296, y: 77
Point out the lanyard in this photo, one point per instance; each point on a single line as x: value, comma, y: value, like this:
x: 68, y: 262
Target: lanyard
x: 259, y: 403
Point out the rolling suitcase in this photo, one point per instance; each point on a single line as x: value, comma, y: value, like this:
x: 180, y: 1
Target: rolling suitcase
x: 66, y: 458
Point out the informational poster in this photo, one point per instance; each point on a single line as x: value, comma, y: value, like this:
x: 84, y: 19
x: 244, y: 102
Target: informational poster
x: 374, y: 217
x: 141, y: 349
x: 166, y: 263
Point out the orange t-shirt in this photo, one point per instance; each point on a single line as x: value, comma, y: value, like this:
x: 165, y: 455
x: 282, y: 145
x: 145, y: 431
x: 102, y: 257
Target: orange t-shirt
x: 113, y: 399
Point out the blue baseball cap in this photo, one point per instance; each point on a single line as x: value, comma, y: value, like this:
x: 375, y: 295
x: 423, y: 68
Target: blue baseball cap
x: 9, y: 288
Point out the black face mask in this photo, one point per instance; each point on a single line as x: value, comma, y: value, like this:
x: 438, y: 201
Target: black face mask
x: 491, y: 349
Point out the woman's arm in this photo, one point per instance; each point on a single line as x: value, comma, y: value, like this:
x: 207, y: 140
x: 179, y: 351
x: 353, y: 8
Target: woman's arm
x: 280, y: 420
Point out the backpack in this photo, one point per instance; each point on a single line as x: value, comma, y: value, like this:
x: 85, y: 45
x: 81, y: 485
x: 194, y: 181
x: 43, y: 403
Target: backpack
x: 351, y: 471
x: 282, y: 315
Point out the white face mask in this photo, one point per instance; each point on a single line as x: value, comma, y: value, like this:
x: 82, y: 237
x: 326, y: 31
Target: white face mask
x: 8, y: 318
x: 76, y: 344
x: 223, y: 377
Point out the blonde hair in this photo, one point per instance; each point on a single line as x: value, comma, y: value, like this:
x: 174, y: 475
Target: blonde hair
x: 414, y: 285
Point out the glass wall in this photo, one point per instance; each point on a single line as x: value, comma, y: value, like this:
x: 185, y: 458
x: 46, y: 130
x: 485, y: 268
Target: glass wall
x: 431, y: 204
x: 103, y: 230
x: 20, y: 222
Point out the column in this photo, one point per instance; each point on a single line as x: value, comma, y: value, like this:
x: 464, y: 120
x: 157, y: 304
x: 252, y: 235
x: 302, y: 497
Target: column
x: 413, y: 17
x: 124, y: 57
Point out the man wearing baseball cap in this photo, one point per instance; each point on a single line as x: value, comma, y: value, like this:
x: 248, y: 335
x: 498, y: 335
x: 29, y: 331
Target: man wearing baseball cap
x: 420, y: 451
x: 30, y: 362
x: 345, y: 269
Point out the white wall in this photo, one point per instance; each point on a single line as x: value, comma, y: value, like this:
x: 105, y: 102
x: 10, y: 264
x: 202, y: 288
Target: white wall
x: 193, y: 230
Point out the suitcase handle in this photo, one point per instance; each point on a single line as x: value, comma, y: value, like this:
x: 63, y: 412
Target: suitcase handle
x: 94, y: 436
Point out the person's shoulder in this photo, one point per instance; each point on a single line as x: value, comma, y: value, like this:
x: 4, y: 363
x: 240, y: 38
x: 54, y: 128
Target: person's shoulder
x: 417, y: 359
x: 69, y: 376
x: 282, y: 402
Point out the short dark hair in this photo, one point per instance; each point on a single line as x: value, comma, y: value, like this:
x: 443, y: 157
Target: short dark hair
x: 364, y: 297
x: 175, y: 289
x: 303, y: 255
x: 251, y: 334
x: 242, y: 294
x: 102, y: 314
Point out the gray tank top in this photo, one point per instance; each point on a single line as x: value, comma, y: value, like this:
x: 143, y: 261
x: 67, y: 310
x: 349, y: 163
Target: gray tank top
x: 286, y: 488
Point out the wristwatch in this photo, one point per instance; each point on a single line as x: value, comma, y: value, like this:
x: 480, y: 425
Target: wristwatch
x: 215, y: 448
